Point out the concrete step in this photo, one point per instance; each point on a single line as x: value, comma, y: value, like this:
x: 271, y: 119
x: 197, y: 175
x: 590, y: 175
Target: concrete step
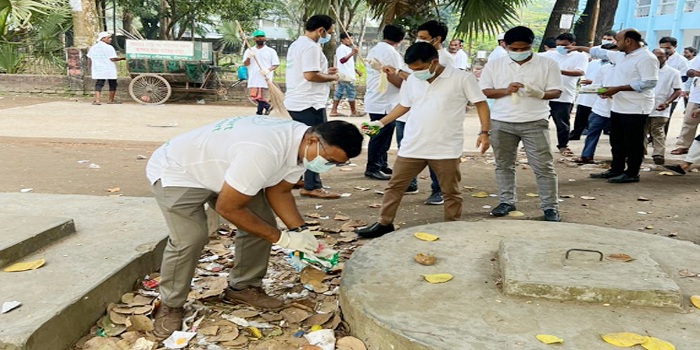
x: 118, y: 240
x: 22, y: 235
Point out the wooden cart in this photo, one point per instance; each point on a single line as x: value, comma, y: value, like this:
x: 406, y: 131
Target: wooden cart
x: 160, y: 67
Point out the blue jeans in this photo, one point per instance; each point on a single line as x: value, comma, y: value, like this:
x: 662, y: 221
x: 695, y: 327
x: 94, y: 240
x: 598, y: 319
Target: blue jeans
x: 346, y: 88
x: 310, y: 117
x: 435, y: 185
x: 596, y: 125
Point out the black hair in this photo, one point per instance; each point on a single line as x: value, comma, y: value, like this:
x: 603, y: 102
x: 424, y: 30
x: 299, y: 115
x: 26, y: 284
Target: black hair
x: 692, y: 50
x: 393, y: 33
x: 609, y: 33
x: 666, y: 52
x: 519, y: 33
x: 567, y: 36
x: 550, y: 42
x: 434, y: 28
x: 634, y: 35
x: 609, y: 47
x: 669, y: 39
x: 341, y: 134
x: 423, y: 52
x: 318, y: 21
x: 345, y: 35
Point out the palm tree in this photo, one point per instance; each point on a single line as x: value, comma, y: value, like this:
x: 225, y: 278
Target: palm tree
x: 17, y: 14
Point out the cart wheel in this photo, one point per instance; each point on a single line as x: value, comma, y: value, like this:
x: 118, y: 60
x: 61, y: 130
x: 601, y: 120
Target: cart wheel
x: 150, y: 89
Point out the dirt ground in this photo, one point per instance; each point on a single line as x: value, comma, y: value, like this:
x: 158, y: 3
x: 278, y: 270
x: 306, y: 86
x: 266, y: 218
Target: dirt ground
x: 52, y: 166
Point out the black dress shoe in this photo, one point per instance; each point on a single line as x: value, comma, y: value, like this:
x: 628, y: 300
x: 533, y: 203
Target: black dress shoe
x: 604, y: 175
x: 377, y: 175
x: 375, y: 230
x: 502, y: 209
x: 623, y: 179
x: 387, y: 171
x: 551, y: 215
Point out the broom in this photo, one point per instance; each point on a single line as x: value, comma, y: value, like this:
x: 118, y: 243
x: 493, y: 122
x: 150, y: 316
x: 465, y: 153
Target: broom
x: 276, y: 94
x: 383, y: 80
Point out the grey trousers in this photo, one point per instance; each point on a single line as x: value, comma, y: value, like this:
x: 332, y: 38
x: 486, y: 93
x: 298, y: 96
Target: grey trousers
x: 183, y: 209
x: 535, y: 137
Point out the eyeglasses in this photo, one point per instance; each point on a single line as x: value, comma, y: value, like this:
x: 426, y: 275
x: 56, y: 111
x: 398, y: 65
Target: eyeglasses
x: 332, y: 162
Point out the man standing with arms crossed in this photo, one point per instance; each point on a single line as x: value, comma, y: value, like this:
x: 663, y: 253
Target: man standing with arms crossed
x: 632, y: 91
x: 308, y: 77
x: 267, y: 57
x: 521, y: 85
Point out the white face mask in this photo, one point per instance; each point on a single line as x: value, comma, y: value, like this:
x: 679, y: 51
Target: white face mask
x: 605, y: 42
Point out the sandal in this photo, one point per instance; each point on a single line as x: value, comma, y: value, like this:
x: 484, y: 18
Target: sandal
x: 358, y: 114
x: 566, y: 152
x: 679, y: 151
x: 96, y: 103
x: 337, y: 115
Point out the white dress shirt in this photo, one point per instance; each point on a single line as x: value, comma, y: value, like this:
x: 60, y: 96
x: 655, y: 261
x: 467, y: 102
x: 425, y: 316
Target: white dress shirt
x: 267, y: 57
x: 669, y: 81
x: 305, y: 55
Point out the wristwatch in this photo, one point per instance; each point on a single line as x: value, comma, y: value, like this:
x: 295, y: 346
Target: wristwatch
x: 485, y: 132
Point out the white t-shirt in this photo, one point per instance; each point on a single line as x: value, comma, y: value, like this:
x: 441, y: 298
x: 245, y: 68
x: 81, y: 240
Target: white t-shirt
x: 539, y: 72
x: 376, y: 102
x: 575, y: 61
x: 445, y: 57
x: 678, y: 62
x: 435, y: 129
x: 101, y: 65
x: 347, y: 68
x: 589, y: 99
x: 638, y: 65
x: 498, y: 52
x: 305, y: 55
x: 669, y: 80
x: 461, y: 59
x: 694, y: 95
x: 602, y: 106
x: 267, y: 57
x: 248, y: 153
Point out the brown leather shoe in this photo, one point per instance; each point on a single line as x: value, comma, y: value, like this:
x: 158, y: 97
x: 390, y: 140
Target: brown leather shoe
x: 319, y: 193
x: 167, y: 320
x: 252, y: 296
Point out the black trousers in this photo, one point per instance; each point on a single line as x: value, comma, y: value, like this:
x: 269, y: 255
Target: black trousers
x: 561, y: 113
x: 379, y: 145
x: 627, y: 141
x: 310, y: 117
x: 100, y: 83
x: 581, y: 121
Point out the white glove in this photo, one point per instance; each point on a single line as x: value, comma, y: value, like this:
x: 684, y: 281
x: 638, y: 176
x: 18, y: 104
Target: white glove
x: 534, y: 92
x: 375, y: 64
x: 302, y: 241
x: 264, y: 71
x: 251, y: 54
x: 376, y: 123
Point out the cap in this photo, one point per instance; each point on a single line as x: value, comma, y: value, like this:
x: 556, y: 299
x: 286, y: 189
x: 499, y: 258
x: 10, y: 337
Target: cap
x: 501, y: 36
x: 258, y: 33
x: 103, y: 35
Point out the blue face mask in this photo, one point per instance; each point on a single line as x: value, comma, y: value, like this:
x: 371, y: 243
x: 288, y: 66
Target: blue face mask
x: 562, y: 50
x: 424, y: 74
x: 324, y: 39
x: 318, y: 164
x: 519, y: 56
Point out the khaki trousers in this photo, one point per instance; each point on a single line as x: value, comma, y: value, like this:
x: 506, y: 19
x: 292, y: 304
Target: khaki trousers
x: 183, y: 210
x: 405, y: 169
x: 655, y: 128
x: 690, y: 126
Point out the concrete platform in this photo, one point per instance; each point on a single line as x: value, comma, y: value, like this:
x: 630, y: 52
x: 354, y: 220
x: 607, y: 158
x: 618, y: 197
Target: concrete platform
x: 118, y: 240
x: 389, y: 306
x: 22, y: 235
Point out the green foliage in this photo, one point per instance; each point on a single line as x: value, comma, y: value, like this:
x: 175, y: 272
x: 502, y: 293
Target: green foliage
x: 18, y: 14
x: 11, y: 59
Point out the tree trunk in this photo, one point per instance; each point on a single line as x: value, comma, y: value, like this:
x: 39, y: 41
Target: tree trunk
x: 86, y: 24
x: 127, y: 20
x: 606, y: 18
x: 561, y: 7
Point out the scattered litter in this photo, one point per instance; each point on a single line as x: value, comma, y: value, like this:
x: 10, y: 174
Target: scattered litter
x: 341, y: 217
x: 643, y: 199
x: 481, y: 194
x: 549, y: 339
x: 694, y: 299
x: 313, y: 215
x: 25, y: 266
x: 201, y: 101
x: 572, y: 180
x: 667, y: 173
x: 649, y: 227
x: 324, y: 339
x: 379, y: 192
x: 469, y: 188
x: 26, y: 190
x: 361, y: 189
x: 588, y: 198
x: 425, y: 259
x: 567, y: 196
x: 84, y: 161
x: 168, y: 125
x: 141, y: 157
x: 426, y: 236
x: 623, y: 339
x: 516, y: 213
x: 375, y: 205
x: 344, y: 168
x: 9, y: 306
x: 532, y: 194
x: 318, y: 206
x: 438, y: 278
x: 686, y: 273
x: 113, y: 190
x: 350, y: 343
x: 345, y: 195
x: 619, y: 257
x: 672, y: 234
x: 493, y: 195
x: 642, y: 213
x: 486, y: 206
x: 94, y: 166
x: 178, y: 340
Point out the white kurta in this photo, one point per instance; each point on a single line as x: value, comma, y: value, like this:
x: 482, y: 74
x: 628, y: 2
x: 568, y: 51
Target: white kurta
x: 267, y: 57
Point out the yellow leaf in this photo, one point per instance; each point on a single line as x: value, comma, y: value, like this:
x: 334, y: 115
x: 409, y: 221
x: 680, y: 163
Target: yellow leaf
x: 623, y: 339
x: 481, y: 194
x: 516, y: 213
x: 532, y: 194
x: 652, y: 343
x: 549, y: 339
x: 315, y: 328
x: 695, y: 300
x: 254, y: 332
x: 438, y: 278
x: 24, y: 266
x: 426, y: 236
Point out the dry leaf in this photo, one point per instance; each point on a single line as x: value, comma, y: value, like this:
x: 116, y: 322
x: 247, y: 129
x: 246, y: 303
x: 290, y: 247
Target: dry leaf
x: 438, y: 278
x: 695, y: 300
x: 425, y: 259
x: 211, y: 330
x: 295, y: 315
x: 623, y: 339
x: 532, y: 194
x: 143, y: 344
x: 133, y: 310
x: 128, y: 298
x: 481, y: 194
x: 254, y: 332
x: 619, y: 257
x: 100, y: 343
x: 667, y: 173
x: 341, y: 217
x: 516, y: 214
x: 318, y: 319
x: 25, y: 266
x: 686, y: 273
x: 117, y: 318
x: 139, y: 323
x: 375, y: 205
x: 245, y: 313
x: 549, y: 339
x: 468, y: 188
x: 113, y: 190
x: 423, y: 236
x: 350, y: 343
x: 226, y: 336
x: 313, y: 215
x: 652, y: 343
x: 590, y: 198
x: 362, y: 189
x: 311, y: 274
x: 643, y: 199
x: 567, y: 196
x: 142, y: 300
